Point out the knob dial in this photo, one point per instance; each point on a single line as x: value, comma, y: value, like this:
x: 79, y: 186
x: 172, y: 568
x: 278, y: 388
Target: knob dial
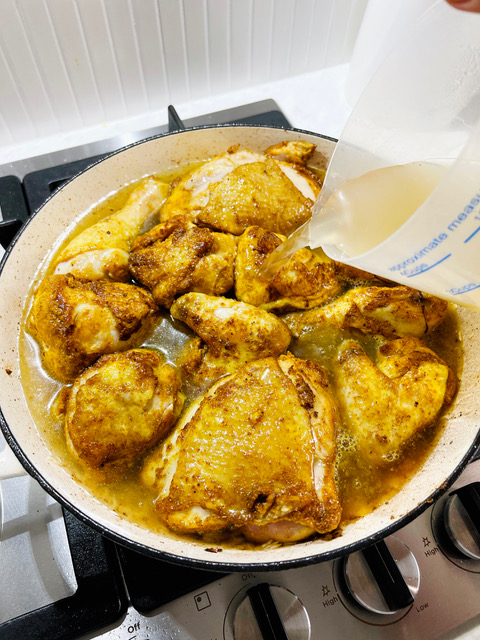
x: 270, y: 612
x: 462, y: 519
x: 383, y: 578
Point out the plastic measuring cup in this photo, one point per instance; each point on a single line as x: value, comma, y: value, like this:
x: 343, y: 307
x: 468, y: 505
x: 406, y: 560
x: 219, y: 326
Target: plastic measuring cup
x: 401, y: 196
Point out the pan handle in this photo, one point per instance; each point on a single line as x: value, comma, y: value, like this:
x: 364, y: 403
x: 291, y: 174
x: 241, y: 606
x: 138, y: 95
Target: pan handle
x: 10, y: 466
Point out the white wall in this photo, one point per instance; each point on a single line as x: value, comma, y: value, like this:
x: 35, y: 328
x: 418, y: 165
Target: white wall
x: 70, y: 64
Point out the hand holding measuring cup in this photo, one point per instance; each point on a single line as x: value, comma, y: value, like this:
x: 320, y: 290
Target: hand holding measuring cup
x: 466, y: 5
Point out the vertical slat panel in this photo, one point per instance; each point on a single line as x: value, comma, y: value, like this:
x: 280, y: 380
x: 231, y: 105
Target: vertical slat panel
x: 283, y: 18
x: 148, y: 34
x: 71, y: 64
x: 303, y: 29
x: 24, y: 71
x: 74, y: 53
x: 101, y: 57
x: 261, y: 45
x: 44, y: 46
x: 319, y: 38
x: 218, y: 17
x: 125, y: 55
x: 6, y: 137
x: 340, y: 19
x: 196, y: 38
x: 240, y: 28
x: 16, y: 121
x: 174, y: 49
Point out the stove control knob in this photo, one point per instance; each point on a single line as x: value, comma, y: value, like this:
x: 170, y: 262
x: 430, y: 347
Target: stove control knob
x: 269, y: 612
x: 383, y: 579
x: 462, y: 519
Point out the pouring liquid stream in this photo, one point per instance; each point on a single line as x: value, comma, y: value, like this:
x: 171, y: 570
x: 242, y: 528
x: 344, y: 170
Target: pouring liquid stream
x: 362, y: 212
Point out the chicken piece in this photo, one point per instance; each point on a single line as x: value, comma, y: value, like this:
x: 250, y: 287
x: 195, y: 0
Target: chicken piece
x: 306, y: 280
x: 174, y: 258
x: 120, y: 407
x: 101, y: 250
x: 297, y: 152
x: 384, y: 404
x: 389, y: 311
x: 352, y: 275
x: 241, y: 188
x: 231, y: 334
x: 75, y: 322
x: 256, y: 452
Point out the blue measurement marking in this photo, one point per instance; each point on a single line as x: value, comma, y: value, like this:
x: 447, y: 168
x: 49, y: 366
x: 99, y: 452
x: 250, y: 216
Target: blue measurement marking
x: 430, y: 267
x: 472, y: 234
x: 457, y: 293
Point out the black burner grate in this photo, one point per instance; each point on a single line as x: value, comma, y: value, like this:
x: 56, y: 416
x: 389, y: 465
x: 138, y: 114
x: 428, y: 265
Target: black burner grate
x: 100, y: 598
x: 13, y: 207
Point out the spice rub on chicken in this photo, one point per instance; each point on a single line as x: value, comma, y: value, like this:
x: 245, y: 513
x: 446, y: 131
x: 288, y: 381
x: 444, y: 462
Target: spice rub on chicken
x: 75, y: 322
x: 388, y: 311
x: 386, y: 402
x: 230, y: 334
x: 121, y: 406
x: 307, y: 280
x: 255, y: 452
x: 241, y: 188
x: 175, y: 257
x: 102, y: 250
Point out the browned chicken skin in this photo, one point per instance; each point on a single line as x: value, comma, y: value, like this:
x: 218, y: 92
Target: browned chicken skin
x: 388, y: 311
x: 384, y: 404
x: 174, y: 258
x: 241, y: 188
x: 268, y: 461
x: 306, y: 280
x: 297, y: 152
x: 121, y: 406
x: 231, y: 333
x: 101, y: 250
x: 75, y: 322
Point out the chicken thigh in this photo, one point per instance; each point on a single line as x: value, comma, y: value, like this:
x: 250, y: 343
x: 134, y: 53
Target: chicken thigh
x: 101, y: 250
x: 306, y: 280
x: 172, y: 259
x: 388, y: 311
x: 385, y: 403
x: 120, y: 407
x: 242, y: 188
x: 231, y: 333
x: 255, y: 453
x: 75, y: 322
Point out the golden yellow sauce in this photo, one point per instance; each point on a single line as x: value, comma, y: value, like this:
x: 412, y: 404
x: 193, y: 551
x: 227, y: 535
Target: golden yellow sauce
x: 361, y: 487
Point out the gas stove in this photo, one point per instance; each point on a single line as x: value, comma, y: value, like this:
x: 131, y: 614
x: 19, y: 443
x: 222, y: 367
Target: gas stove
x: 61, y: 580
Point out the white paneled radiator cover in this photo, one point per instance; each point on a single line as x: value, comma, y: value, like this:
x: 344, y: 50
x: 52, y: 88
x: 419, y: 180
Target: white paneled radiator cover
x: 71, y: 64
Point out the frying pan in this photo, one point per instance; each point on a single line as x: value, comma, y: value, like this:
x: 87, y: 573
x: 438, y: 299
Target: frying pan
x: 21, y: 269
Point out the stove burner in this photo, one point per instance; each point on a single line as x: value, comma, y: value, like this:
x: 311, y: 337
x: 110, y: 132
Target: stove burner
x: 12, y: 207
